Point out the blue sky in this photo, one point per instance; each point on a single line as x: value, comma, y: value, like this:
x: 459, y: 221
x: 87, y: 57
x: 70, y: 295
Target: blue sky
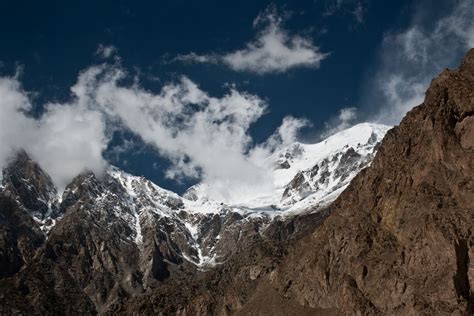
x: 340, y: 61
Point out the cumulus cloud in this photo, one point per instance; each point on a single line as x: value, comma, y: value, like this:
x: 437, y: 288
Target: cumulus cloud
x: 67, y: 140
x: 203, y: 136
x: 344, y: 120
x: 13, y: 104
x: 410, y: 59
x: 274, y: 50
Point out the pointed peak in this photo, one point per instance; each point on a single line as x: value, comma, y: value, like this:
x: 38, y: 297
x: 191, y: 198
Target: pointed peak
x: 21, y: 157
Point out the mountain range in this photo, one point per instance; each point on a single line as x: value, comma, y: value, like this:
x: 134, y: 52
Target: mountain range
x: 372, y: 220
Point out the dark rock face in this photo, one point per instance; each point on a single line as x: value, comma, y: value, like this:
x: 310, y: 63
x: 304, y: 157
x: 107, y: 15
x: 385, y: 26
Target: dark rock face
x: 43, y: 288
x: 20, y: 234
x: 25, y: 179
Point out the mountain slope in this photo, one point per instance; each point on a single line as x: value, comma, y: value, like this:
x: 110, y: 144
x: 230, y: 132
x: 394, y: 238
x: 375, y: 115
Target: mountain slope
x: 305, y: 174
x: 105, y: 240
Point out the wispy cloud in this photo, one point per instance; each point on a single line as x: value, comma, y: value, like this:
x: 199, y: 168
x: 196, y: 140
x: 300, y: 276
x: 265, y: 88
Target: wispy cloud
x: 105, y: 51
x: 192, y: 57
x: 359, y: 12
x: 344, y: 120
x: 274, y: 50
x: 357, y: 9
x: 411, y: 58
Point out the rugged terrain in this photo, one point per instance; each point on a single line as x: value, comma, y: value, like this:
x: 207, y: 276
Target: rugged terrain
x: 398, y: 240
x: 111, y: 237
x: 394, y: 238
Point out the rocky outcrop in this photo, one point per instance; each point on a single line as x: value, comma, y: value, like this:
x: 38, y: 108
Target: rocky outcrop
x: 20, y: 236
x: 331, y: 174
x: 36, y: 192
x: 44, y: 288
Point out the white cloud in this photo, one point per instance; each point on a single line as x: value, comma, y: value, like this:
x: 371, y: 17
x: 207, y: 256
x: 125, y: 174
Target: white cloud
x: 105, y: 51
x: 67, y: 140
x: 344, y: 120
x: 410, y: 59
x: 287, y: 132
x: 274, y: 50
x: 13, y: 102
x: 192, y: 57
x: 284, y: 136
x: 203, y: 137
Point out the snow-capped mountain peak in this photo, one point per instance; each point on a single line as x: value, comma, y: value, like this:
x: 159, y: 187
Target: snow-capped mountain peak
x: 318, y: 173
x: 308, y: 175
x: 194, y: 227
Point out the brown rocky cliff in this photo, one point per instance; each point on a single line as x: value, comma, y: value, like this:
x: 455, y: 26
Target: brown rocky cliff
x: 400, y: 238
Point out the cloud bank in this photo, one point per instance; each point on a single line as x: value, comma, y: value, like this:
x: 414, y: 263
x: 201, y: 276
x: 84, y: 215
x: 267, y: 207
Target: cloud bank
x: 274, y: 50
x: 203, y: 136
x: 411, y: 58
